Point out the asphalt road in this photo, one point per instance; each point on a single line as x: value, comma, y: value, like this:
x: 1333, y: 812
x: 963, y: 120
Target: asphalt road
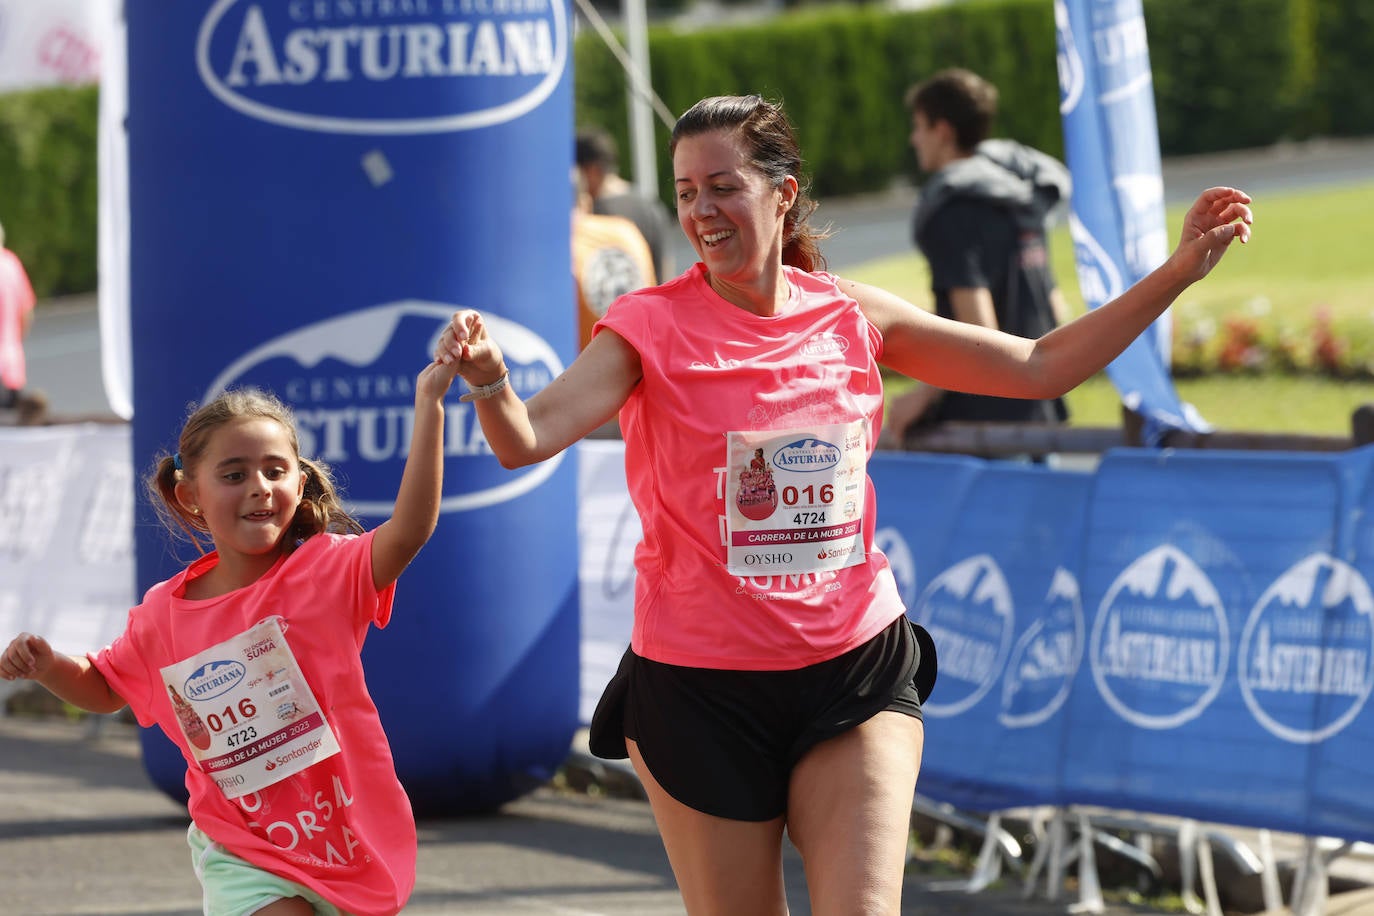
x: 82, y: 832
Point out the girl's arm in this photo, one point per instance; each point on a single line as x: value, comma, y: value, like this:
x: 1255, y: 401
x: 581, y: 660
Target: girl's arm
x: 398, y: 539
x: 586, y: 395
x: 963, y: 357
x: 68, y: 677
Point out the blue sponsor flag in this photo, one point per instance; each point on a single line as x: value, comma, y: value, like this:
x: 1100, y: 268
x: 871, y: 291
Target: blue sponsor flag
x: 1117, y: 220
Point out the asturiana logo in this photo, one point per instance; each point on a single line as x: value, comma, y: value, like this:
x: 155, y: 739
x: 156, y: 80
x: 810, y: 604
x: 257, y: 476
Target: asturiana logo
x: 212, y: 679
x: 1045, y: 660
x: 891, y: 544
x: 1160, y: 644
x: 350, y: 382
x: 807, y: 455
x: 1099, y: 278
x: 1307, y: 651
x: 824, y: 344
x: 383, y: 66
x: 1071, y: 72
x: 969, y: 612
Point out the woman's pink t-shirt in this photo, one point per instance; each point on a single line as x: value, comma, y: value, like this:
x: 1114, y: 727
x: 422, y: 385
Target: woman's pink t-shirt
x: 343, y: 826
x: 711, y: 368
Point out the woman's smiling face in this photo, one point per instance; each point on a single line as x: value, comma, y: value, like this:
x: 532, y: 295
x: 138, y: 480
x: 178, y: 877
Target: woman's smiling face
x: 729, y: 210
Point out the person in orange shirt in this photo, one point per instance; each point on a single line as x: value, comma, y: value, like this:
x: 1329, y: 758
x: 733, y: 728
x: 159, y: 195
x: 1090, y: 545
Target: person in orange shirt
x: 609, y: 258
x: 598, y: 165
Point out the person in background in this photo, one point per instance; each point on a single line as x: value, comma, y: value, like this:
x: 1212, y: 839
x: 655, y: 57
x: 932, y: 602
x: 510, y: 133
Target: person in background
x: 981, y: 222
x: 774, y: 682
x: 609, y: 258
x: 16, y: 318
x: 598, y: 161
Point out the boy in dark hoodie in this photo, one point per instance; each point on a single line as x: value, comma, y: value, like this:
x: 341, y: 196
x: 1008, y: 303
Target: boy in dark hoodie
x: 981, y: 223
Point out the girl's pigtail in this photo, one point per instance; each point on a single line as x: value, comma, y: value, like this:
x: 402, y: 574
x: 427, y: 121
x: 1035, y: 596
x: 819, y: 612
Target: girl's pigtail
x: 161, y: 488
x: 321, y: 510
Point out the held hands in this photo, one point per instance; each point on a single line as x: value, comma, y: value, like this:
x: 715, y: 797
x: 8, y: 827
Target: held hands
x: 466, y: 346
x: 27, y: 656
x: 434, y: 380
x: 1218, y: 217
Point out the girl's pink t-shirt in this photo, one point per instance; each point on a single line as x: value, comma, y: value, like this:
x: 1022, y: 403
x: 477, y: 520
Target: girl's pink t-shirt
x: 343, y: 826
x: 711, y: 368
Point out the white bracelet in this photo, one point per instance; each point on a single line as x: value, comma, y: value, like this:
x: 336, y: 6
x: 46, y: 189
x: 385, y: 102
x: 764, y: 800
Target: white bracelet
x: 478, y: 392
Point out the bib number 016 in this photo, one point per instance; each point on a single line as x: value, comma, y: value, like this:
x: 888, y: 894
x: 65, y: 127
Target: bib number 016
x: 808, y: 495
x: 231, y: 715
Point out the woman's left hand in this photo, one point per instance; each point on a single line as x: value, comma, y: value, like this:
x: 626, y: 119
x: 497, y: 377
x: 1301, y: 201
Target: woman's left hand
x: 1217, y: 218
x: 466, y: 345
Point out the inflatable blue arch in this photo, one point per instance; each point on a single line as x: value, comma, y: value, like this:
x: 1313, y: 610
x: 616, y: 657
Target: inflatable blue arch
x: 311, y: 196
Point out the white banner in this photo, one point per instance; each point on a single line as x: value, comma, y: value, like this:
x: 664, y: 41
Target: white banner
x: 608, y: 530
x: 66, y: 534
x: 66, y: 543
x: 51, y: 42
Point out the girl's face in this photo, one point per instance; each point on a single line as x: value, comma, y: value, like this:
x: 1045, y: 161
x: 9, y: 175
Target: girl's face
x: 246, y: 485
x: 729, y: 210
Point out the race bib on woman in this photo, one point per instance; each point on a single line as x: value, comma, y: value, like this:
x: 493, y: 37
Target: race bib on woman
x: 795, y: 499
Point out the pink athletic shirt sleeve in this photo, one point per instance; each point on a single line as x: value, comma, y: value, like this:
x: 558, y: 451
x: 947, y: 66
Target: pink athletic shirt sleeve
x: 710, y: 369
x: 343, y: 825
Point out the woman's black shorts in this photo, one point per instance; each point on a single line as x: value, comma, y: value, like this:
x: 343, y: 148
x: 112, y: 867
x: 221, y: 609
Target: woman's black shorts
x: 725, y: 742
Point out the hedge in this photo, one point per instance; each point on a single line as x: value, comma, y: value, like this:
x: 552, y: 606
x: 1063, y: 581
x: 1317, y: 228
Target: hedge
x: 1228, y: 74
x: 48, y: 196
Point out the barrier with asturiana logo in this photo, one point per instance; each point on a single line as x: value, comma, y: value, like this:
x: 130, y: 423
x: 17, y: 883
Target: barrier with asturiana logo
x: 1187, y: 633
x: 1182, y: 633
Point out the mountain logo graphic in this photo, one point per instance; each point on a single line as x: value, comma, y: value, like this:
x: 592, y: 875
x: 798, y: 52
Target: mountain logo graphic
x: 969, y: 613
x: 213, y: 679
x: 1306, y: 651
x: 349, y: 380
x: 1160, y: 643
x: 900, y: 560
x: 1045, y: 660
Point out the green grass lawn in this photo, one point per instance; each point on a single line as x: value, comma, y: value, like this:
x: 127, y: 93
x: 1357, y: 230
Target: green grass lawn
x: 1309, y: 251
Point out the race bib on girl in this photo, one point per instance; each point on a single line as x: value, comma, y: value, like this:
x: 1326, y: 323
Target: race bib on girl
x: 246, y: 711
x: 795, y: 499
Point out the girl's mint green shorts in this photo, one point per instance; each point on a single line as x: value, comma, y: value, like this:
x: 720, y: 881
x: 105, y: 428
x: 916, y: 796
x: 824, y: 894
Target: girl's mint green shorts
x: 234, y: 887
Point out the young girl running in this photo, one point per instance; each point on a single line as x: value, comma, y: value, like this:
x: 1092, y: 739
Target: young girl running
x: 249, y: 660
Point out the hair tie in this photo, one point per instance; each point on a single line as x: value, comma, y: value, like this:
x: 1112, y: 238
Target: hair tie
x: 176, y: 461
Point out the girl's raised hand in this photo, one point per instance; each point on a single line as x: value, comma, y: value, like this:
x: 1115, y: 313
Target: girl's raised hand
x: 435, y: 379
x: 1217, y: 218
x: 27, y: 656
x: 466, y: 345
